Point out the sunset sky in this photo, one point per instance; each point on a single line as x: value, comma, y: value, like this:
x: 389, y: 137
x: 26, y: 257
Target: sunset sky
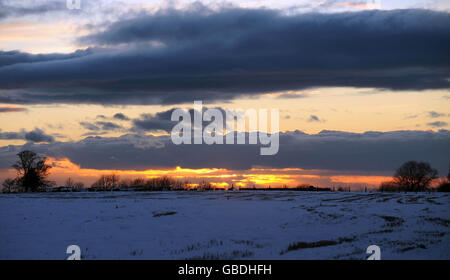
x: 361, y: 87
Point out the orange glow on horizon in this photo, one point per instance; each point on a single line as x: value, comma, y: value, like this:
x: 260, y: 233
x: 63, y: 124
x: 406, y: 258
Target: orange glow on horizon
x: 63, y: 168
x: 370, y: 180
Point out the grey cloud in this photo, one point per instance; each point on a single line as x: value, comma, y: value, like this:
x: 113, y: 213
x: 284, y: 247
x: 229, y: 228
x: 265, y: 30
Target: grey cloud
x: 12, y: 135
x: 162, y: 120
x: 158, y: 121
x: 438, y: 124
x: 36, y: 135
x: 292, y: 95
x: 100, y: 125
x: 108, y: 125
x: 412, y: 116
x: 220, y: 55
x: 359, y: 153
x: 314, y: 118
x: 433, y: 114
x: 94, y: 133
x: 12, y: 109
x: 90, y: 126
x: 17, y: 9
x: 23, y: 8
x: 121, y: 116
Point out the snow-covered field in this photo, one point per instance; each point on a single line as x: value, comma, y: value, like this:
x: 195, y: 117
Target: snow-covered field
x: 225, y: 225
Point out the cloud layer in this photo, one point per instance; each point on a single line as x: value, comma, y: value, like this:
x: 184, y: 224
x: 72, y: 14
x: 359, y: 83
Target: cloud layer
x: 175, y: 56
x: 370, y: 152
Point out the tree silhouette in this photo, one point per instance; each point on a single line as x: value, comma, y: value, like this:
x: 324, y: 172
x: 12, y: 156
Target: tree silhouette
x: 32, y: 171
x: 415, y: 176
x: 106, y: 182
x: 69, y: 183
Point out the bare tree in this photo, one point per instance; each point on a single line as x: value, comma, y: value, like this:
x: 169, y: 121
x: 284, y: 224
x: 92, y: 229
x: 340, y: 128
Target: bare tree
x: 32, y: 171
x: 415, y: 176
x: 9, y: 185
x: 114, y: 179
x: 138, y: 182
x: 69, y: 183
x: 107, y: 182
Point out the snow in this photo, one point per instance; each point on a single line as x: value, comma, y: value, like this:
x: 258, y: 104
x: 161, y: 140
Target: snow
x: 225, y: 225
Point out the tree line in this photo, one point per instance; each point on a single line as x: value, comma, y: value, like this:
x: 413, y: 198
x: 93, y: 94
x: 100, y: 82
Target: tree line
x: 32, y: 172
x: 113, y: 182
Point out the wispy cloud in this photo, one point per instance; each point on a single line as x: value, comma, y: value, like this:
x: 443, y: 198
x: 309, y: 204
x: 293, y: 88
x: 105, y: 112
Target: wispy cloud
x: 433, y: 114
x: 12, y: 109
x: 101, y: 126
x: 438, y: 124
x: 314, y: 118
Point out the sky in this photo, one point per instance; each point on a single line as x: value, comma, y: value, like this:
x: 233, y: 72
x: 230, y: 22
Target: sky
x: 361, y: 87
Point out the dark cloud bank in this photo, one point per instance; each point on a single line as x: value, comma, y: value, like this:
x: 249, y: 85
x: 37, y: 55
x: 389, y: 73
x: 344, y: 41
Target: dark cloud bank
x: 174, y: 56
x: 374, y: 152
